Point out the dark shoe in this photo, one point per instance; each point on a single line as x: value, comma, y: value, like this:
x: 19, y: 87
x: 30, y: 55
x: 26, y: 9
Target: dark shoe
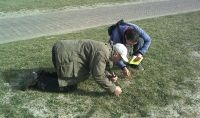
x: 47, y: 81
x: 30, y: 81
x: 69, y: 88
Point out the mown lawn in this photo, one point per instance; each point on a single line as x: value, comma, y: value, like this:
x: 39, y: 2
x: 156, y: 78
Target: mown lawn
x: 169, y: 86
x: 16, y: 5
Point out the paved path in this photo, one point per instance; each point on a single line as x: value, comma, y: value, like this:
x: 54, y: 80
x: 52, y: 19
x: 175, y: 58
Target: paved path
x: 27, y: 27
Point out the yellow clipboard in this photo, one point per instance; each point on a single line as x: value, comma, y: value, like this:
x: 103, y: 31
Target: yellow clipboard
x: 135, y: 62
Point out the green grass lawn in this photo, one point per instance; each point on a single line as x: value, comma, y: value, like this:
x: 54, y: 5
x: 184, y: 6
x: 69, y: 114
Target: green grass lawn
x: 16, y: 5
x: 169, y: 86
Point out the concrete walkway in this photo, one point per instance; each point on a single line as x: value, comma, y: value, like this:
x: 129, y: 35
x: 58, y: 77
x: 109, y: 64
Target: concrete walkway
x: 27, y: 27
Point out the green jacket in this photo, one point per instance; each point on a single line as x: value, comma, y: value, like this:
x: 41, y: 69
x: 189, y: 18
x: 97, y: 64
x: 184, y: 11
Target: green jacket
x: 77, y: 59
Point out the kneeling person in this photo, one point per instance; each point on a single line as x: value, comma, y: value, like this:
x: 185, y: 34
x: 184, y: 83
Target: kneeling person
x: 75, y: 60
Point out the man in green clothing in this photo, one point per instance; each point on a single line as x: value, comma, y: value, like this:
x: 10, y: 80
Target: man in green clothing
x: 75, y: 60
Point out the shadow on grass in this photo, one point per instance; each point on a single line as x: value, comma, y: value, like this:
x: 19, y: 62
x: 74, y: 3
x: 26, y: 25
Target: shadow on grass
x: 83, y: 92
x: 78, y: 92
x: 16, y: 80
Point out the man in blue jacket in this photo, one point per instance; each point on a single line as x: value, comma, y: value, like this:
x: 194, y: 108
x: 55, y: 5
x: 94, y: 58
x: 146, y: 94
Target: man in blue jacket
x: 134, y: 38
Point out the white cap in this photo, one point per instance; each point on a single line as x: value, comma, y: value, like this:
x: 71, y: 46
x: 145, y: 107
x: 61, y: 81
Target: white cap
x: 122, y: 50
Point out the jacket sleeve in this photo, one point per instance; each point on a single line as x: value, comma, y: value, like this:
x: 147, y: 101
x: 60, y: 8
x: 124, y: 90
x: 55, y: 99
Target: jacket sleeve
x: 145, y: 36
x: 98, y: 73
x: 121, y: 64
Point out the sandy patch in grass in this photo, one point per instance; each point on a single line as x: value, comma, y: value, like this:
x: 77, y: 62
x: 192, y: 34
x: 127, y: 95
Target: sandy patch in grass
x: 64, y: 98
x: 181, y: 108
x: 195, y: 54
x: 167, y: 112
x: 100, y: 114
x: 38, y: 108
x: 7, y: 97
x: 2, y: 116
x: 177, y: 109
x: 125, y: 115
x: 73, y: 107
x: 63, y: 113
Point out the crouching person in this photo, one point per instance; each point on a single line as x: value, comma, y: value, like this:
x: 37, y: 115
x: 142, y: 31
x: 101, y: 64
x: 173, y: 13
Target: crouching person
x: 75, y: 60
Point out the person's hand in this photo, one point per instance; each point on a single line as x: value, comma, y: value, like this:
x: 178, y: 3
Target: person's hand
x: 117, y: 91
x: 126, y: 72
x: 139, y: 56
x: 114, y: 78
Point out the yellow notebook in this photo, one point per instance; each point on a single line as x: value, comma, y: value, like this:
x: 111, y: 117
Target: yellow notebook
x: 135, y: 62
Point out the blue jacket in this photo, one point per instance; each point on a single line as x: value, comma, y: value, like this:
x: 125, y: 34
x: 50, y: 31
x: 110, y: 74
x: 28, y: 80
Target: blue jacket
x: 115, y: 37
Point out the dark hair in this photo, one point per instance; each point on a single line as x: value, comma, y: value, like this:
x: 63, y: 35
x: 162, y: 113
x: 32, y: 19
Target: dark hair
x: 132, y: 34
